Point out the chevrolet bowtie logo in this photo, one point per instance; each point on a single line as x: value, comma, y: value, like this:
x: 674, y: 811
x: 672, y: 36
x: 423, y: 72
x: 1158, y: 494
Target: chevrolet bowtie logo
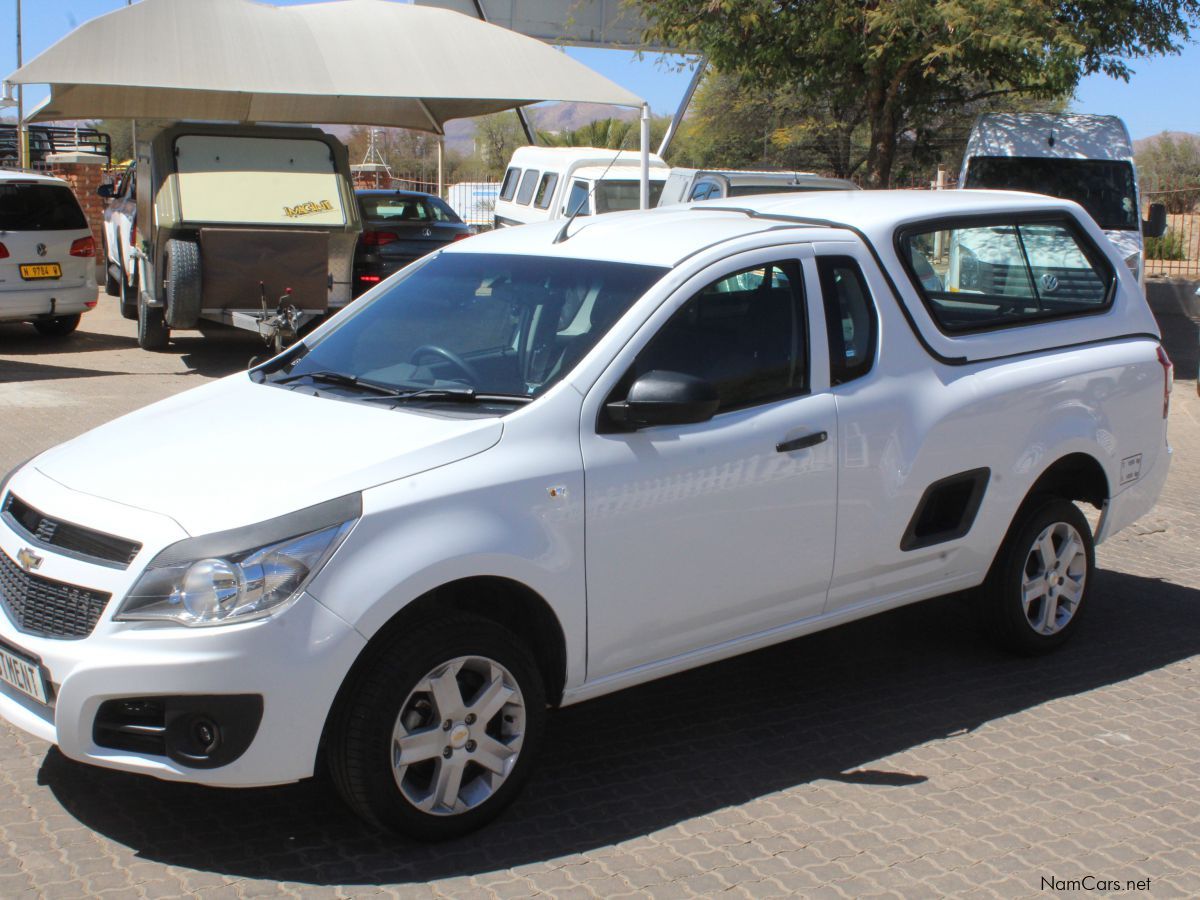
x: 28, y: 559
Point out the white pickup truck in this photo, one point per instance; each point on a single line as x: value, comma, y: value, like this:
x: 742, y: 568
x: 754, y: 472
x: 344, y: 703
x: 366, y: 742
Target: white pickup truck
x: 554, y: 466
x: 120, y: 238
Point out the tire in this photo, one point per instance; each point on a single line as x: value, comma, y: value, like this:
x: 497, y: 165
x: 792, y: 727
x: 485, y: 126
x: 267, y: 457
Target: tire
x: 152, y: 331
x: 1038, y: 586
x: 112, y: 286
x: 394, y: 696
x: 182, y: 283
x: 58, y: 327
x: 129, y: 295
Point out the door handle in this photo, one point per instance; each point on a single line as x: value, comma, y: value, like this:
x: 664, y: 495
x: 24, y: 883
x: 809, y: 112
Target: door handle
x: 802, y: 443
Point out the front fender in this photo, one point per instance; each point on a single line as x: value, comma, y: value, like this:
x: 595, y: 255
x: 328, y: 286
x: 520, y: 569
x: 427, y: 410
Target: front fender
x: 431, y: 529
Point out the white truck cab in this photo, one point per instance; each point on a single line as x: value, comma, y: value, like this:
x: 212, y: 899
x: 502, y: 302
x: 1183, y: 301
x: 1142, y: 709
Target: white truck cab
x: 689, y: 185
x: 546, y: 183
x: 1084, y: 158
x: 555, y: 465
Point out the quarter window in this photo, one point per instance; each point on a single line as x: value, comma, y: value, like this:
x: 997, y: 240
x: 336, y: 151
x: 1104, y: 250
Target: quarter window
x: 975, y: 277
x: 508, y: 187
x: 545, y: 191
x: 528, y: 183
x: 850, y: 318
x: 744, y: 333
x: 577, y: 203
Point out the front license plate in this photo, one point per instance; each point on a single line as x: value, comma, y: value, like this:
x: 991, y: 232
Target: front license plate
x: 45, y: 270
x: 22, y: 674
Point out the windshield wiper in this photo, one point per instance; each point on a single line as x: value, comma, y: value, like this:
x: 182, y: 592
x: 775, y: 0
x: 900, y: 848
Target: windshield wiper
x: 341, y: 379
x: 458, y: 395
x: 384, y: 392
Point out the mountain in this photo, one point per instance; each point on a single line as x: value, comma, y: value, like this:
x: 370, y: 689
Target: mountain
x: 1142, y: 143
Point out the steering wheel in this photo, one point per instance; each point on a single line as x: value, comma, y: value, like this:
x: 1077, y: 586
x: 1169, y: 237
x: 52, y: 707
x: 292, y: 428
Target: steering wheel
x: 449, y: 356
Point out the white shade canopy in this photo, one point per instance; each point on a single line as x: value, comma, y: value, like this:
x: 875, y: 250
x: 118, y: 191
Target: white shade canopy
x: 369, y: 62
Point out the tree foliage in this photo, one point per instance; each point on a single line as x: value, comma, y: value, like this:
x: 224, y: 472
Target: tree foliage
x: 1169, y: 169
x: 903, y: 63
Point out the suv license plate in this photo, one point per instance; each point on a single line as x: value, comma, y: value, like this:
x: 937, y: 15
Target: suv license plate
x: 22, y: 674
x: 47, y: 270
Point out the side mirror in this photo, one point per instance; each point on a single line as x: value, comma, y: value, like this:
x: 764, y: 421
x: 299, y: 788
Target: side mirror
x: 1156, y: 225
x: 665, y: 398
x: 105, y: 191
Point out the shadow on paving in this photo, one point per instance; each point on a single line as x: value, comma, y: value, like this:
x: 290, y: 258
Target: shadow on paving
x: 12, y: 371
x: 821, y: 707
x: 22, y: 340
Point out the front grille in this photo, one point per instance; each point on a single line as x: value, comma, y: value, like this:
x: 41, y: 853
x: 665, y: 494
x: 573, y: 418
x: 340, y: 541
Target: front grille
x: 75, y: 539
x: 48, y: 608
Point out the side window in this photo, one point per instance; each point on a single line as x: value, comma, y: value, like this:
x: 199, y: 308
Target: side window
x: 702, y: 191
x: 577, y: 202
x: 976, y: 277
x: 850, y: 318
x: 528, y: 183
x: 508, y: 187
x: 545, y: 191
x: 744, y: 333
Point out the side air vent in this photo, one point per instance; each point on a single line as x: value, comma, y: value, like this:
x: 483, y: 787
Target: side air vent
x: 947, y: 509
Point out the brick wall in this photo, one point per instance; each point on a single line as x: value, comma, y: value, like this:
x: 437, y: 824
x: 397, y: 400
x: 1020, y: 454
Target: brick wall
x: 84, y: 172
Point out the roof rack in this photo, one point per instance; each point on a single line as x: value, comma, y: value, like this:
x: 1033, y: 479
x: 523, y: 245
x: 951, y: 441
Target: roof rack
x: 774, y: 217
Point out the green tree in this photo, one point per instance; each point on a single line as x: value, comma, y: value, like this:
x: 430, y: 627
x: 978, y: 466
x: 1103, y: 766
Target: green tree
x: 901, y: 60
x: 496, y: 137
x: 1169, y: 169
x: 120, y: 133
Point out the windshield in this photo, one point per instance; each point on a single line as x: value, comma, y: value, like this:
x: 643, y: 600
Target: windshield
x: 496, y: 324
x: 1105, y: 189
x: 614, y: 196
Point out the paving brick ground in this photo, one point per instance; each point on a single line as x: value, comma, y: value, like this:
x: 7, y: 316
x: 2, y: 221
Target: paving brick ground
x: 900, y: 756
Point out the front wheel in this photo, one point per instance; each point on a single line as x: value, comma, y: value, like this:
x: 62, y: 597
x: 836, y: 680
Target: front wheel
x: 437, y: 734
x: 130, y: 289
x: 1038, y: 586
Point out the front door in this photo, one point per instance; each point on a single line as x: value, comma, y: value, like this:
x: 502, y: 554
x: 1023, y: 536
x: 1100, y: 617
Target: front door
x: 702, y: 533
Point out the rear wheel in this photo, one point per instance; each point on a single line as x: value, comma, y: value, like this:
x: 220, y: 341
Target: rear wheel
x: 436, y: 736
x: 58, y: 327
x: 152, y: 332
x: 1038, y: 586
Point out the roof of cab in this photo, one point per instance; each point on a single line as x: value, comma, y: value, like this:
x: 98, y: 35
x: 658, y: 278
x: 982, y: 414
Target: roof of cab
x: 10, y: 175
x: 664, y: 236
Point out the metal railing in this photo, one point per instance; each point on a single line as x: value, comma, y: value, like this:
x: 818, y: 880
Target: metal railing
x: 47, y: 139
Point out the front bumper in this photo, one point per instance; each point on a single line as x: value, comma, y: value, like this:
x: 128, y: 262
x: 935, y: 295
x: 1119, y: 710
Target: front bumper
x: 295, y: 661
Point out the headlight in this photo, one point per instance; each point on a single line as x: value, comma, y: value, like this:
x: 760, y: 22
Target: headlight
x: 201, y: 582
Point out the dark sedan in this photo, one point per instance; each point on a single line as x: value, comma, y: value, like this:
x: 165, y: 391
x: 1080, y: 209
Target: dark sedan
x: 398, y: 227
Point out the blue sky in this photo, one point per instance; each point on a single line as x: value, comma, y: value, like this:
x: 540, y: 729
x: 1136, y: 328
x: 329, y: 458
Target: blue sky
x: 1153, y: 101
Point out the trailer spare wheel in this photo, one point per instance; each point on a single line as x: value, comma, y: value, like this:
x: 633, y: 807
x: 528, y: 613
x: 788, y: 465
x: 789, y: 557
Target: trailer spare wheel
x: 183, y: 283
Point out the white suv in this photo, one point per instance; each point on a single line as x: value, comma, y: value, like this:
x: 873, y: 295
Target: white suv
x: 529, y: 470
x: 47, y: 254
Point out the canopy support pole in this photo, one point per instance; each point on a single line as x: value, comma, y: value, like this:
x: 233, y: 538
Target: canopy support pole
x: 441, y: 184
x: 22, y: 132
x: 644, y: 195
x: 684, y: 103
